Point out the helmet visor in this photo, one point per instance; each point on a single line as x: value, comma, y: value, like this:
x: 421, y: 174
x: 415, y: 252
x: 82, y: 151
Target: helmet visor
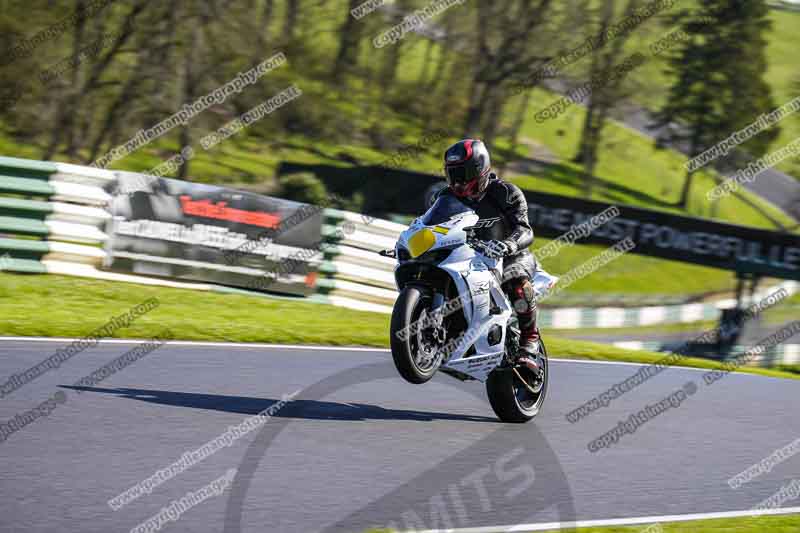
x: 456, y: 174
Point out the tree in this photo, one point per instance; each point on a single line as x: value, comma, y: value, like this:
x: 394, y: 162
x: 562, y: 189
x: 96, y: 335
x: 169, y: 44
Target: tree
x: 505, y: 50
x: 388, y: 72
x: 349, y: 37
x: 77, y: 97
x: 290, y: 22
x: 149, y: 62
x: 604, y: 97
x: 262, y: 30
x: 719, y: 78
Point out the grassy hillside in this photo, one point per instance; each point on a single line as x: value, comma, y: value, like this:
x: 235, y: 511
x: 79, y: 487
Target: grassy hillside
x: 632, y: 171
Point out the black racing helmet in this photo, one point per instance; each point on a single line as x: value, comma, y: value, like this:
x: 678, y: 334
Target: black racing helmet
x: 467, y: 166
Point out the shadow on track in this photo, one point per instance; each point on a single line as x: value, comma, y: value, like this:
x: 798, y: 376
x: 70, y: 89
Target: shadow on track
x: 299, y: 408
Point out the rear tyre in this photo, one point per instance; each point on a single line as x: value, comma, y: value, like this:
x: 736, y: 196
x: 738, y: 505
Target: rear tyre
x: 410, y: 353
x: 510, y: 399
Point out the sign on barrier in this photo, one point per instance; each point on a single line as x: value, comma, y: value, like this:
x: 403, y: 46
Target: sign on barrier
x: 692, y: 240
x: 176, y: 229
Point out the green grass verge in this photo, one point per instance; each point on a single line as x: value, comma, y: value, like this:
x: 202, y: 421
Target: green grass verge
x: 59, y: 306
x: 792, y: 369
x: 773, y: 524
x: 56, y: 306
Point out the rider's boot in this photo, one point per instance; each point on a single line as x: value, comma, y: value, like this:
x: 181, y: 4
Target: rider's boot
x: 522, y: 298
x: 529, y: 348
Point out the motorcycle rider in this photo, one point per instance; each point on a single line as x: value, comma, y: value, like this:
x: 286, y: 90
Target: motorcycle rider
x: 503, y: 231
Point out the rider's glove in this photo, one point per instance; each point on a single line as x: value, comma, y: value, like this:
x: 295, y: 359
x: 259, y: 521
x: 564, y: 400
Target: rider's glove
x: 493, y: 249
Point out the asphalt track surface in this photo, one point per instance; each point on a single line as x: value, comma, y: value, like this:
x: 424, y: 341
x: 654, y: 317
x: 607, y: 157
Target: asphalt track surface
x: 359, y: 447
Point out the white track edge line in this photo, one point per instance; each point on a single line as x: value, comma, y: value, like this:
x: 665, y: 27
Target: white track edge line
x: 205, y: 343
x: 313, y: 347
x: 617, y: 521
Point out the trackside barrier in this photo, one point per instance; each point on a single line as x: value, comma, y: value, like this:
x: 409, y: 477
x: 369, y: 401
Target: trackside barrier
x: 355, y: 276
x: 51, y: 215
x: 53, y: 218
x: 57, y: 218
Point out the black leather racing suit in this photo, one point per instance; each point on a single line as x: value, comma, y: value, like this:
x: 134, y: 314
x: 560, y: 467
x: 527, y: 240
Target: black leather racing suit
x: 503, y: 213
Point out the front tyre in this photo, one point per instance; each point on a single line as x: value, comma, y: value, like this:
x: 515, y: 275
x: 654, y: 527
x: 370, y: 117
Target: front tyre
x: 512, y: 401
x: 415, y: 358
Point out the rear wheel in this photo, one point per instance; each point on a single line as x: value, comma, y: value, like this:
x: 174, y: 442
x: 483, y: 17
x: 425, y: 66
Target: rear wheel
x: 513, y: 400
x: 415, y: 352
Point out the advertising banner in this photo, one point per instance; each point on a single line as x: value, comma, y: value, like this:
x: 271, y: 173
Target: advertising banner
x: 693, y: 240
x: 203, y: 233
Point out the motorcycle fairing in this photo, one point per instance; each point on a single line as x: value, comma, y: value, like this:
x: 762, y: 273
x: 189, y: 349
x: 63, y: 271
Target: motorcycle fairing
x: 478, y: 286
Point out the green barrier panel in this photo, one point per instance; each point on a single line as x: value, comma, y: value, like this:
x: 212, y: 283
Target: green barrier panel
x: 26, y: 186
x: 324, y: 286
x: 27, y: 266
x: 26, y: 168
x: 588, y: 318
x: 23, y: 249
x: 331, y: 251
x: 710, y: 312
x: 674, y: 314
x: 327, y: 268
x: 631, y: 317
x: 14, y: 207
x: 23, y: 226
x: 331, y: 234
x: 545, y: 319
x: 333, y: 215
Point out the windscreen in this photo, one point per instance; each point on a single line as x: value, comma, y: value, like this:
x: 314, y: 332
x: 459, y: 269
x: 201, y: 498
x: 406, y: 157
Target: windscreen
x: 445, y: 208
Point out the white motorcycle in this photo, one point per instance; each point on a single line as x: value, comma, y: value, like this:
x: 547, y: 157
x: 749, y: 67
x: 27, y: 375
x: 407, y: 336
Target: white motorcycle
x: 452, y: 314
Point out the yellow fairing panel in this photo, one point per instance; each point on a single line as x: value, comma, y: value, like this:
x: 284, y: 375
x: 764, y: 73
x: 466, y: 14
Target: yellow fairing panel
x: 421, y: 242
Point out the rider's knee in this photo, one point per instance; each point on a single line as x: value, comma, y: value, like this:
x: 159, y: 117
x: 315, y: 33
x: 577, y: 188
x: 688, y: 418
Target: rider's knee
x: 521, y: 295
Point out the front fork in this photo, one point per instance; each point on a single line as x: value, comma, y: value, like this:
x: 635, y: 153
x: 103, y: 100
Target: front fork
x: 512, y: 341
x: 437, y: 318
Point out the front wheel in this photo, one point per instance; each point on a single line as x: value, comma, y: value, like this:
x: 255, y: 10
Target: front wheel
x: 514, y: 401
x: 415, y: 354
